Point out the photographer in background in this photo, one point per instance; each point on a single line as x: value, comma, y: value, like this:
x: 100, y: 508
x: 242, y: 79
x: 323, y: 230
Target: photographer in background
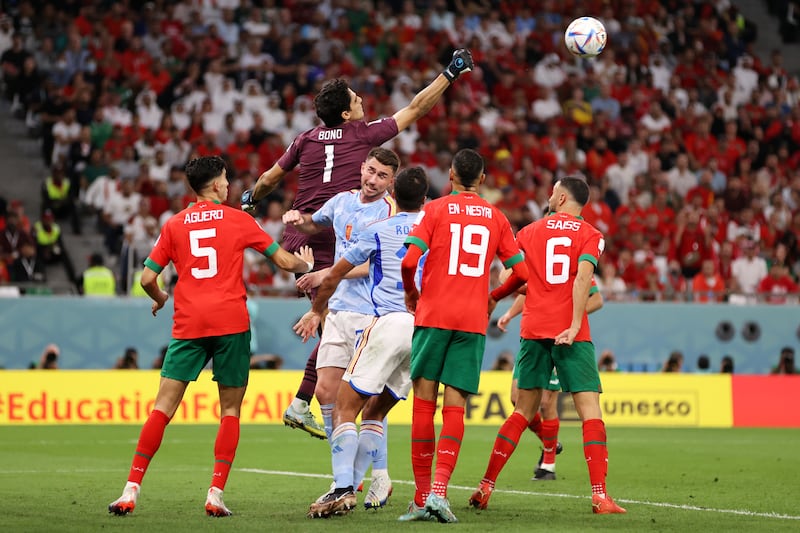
x: 786, y: 362
x: 49, y: 358
x: 129, y: 361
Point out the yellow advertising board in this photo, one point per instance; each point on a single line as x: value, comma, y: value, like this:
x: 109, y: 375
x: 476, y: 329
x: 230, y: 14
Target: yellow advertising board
x: 127, y: 396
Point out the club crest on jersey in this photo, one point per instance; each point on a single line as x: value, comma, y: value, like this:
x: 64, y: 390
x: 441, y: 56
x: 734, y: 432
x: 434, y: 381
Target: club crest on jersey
x: 348, y: 231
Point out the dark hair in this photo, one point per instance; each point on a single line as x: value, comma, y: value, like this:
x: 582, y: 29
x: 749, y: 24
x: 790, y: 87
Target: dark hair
x: 703, y: 362
x: 331, y: 101
x: 727, y: 365
x: 96, y: 259
x: 410, y: 188
x: 200, y: 171
x: 468, y: 166
x: 386, y: 157
x: 577, y: 188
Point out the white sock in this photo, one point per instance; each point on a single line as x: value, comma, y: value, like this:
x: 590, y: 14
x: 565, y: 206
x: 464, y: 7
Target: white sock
x: 300, y: 406
x: 550, y: 467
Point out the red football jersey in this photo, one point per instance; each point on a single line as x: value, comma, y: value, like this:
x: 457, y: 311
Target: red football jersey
x: 463, y: 233
x: 206, y: 242
x: 553, y: 247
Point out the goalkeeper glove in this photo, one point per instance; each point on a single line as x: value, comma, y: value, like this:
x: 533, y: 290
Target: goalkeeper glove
x: 461, y: 62
x: 248, y: 202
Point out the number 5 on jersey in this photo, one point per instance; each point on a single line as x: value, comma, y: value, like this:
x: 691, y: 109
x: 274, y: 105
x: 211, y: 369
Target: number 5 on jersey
x: 203, y: 251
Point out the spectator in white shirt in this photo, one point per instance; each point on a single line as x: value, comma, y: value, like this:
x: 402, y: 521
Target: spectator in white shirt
x: 546, y: 106
x: 748, y: 270
x: 147, y: 109
x: 655, y: 122
x: 117, y: 212
x: 680, y: 178
x: 65, y: 132
x: 621, y: 176
x: 176, y: 149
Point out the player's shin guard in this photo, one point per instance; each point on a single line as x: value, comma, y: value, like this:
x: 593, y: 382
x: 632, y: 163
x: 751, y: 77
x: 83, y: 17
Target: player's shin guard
x: 423, y: 447
x: 149, y: 441
x: 596, y: 453
x: 504, y: 445
x: 344, y: 446
x: 550, y: 440
x: 225, y: 450
x: 448, y: 447
x: 370, y: 441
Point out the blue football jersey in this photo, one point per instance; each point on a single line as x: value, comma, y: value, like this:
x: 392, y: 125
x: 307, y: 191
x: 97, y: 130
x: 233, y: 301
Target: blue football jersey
x: 382, y: 243
x: 348, y: 216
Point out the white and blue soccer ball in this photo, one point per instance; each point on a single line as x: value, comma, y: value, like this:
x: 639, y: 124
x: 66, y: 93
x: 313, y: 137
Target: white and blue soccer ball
x: 585, y: 37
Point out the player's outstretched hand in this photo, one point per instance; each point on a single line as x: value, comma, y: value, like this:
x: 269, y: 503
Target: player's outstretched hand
x: 307, y: 326
x: 306, y: 254
x: 567, y: 336
x: 460, y: 63
x: 248, y: 202
x: 293, y: 217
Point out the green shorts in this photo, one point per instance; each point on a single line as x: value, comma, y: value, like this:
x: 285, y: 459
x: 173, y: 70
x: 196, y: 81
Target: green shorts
x: 575, y: 364
x: 446, y: 356
x: 230, y: 354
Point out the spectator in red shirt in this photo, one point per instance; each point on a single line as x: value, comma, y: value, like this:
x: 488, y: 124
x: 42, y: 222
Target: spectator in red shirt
x: 596, y: 212
x: 778, y: 285
x: 692, y: 243
x: 708, y: 285
x: 702, y: 192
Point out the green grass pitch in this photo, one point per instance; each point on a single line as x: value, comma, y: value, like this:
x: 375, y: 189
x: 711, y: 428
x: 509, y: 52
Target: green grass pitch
x: 62, y: 479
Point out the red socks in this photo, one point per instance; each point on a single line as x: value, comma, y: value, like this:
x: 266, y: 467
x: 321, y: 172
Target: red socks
x: 549, y: 438
x: 149, y: 441
x: 535, y: 425
x: 504, y: 445
x: 596, y: 453
x: 225, y: 450
x: 423, y: 445
x: 448, y: 447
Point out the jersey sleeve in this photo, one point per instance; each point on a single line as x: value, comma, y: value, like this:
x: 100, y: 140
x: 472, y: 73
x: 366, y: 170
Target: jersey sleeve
x: 507, y: 250
x: 592, y: 249
x: 324, y: 215
x: 423, y: 228
x: 255, y: 237
x: 291, y: 157
x: 379, y: 131
x: 160, y: 256
x: 364, y: 248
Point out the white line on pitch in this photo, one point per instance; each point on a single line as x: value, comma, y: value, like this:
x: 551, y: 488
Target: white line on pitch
x: 742, y: 512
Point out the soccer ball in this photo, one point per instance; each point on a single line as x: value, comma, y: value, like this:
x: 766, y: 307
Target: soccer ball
x: 585, y: 37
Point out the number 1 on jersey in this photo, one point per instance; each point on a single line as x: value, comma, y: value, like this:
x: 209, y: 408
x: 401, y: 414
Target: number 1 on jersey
x: 326, y: 174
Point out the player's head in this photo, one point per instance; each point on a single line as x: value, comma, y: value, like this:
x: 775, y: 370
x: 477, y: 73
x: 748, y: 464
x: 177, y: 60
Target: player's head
x: 377, y: 173
x: 336, y: 103
x: 569, y: 191
x: 410, y: 188
x: 207, y: 176
x: 467, y: 168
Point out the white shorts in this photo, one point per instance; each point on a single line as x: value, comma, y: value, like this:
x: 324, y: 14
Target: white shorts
x: 383, y: 357
x: 338, y: 341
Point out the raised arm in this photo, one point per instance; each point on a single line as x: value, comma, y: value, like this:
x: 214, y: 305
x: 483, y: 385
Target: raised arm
x: 427, y: 97
x: 266, y: 183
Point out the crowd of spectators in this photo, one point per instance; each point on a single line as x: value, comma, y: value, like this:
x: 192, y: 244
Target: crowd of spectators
x: 688, y: 138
